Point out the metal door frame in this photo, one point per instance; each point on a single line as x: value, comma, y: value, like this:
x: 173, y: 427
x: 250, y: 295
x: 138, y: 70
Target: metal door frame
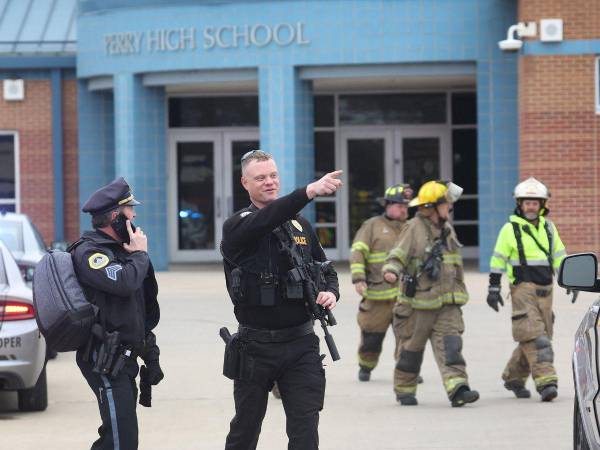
x: 222, y: 138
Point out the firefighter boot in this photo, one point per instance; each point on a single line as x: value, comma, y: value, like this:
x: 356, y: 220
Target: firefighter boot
x: 407, y: 399
x: 364, y: 374
x: 520, y: 391
x: 549, y: 393
x: 463, y: 396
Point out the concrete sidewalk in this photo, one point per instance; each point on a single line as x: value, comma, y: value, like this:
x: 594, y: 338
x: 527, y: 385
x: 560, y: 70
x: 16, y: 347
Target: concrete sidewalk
x: 193, y: 405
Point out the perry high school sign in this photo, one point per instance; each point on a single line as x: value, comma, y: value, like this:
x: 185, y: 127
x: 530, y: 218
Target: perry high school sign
x: 189, y: 39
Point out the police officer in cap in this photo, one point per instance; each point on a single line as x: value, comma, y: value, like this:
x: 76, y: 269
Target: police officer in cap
x: 114, y: 269
x: 278, y: 343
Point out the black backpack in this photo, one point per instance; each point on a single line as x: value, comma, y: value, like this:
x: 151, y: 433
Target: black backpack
x: 62, y: 312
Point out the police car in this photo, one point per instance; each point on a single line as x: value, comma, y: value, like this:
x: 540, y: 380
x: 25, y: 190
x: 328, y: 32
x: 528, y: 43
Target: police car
x: 22, y: 347
x: 579, y: 272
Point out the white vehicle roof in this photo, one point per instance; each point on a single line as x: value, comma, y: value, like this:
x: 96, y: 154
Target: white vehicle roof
x: 21, y: 237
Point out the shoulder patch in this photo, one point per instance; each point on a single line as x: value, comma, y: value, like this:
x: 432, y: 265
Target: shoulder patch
x: 245, y: 213
x: 111, y: 271
x: 297, y: 225
x: 98, y: 261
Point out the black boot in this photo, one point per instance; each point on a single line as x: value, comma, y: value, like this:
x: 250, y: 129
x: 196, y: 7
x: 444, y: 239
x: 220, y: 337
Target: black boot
x: 519, y: 390
x: 549, y: 393
x: 463, y: 396
x: 407, y: 399
x: 364, y: 374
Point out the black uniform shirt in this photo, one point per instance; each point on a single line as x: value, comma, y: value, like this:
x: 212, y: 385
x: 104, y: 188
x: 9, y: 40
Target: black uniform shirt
x: 249, y: 231
x: 120, y: 283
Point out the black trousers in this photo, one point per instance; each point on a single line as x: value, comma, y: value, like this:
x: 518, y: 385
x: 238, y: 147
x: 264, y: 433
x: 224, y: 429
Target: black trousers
x: 296, y: 367
x: 117, y: 401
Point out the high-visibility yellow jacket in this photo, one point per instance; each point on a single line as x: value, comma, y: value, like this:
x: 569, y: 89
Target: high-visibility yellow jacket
x: 537, y: 269
x: 414, y: 247
x: 373, y: 240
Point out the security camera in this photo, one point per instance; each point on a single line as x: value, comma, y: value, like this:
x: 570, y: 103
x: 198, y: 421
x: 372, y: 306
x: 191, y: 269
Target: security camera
x: 522, y: 29
x: 510, y: 44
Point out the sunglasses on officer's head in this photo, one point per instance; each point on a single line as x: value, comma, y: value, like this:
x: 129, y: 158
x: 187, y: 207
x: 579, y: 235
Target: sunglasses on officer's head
x: 248, y: 155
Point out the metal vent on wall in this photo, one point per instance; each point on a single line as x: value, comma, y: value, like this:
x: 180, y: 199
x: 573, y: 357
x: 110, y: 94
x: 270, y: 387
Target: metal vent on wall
x: 14, y: 90
x: 551, y: 30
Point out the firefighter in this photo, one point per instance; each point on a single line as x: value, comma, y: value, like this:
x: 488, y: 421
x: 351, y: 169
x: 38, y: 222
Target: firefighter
x: 529, y: 250
x: 374, y: 239
x: 428, y: 258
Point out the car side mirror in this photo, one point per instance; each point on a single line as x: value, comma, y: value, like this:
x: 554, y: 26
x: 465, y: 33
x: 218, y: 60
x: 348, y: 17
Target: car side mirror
x: 579, y: 272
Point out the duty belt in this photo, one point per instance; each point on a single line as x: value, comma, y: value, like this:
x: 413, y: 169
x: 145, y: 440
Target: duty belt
x: 283, y: 335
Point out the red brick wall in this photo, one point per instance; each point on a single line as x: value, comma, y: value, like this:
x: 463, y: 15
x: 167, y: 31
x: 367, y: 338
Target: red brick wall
x: 581, y: 18
x: 559, y: 128
x: 32, y: 120
x: 560, y: 142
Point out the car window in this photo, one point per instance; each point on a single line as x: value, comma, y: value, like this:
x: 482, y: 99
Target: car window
x: 38, y: 237
x: 12, y: 235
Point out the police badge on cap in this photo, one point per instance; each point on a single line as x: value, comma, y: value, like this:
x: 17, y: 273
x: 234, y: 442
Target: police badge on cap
x: 109, y: 197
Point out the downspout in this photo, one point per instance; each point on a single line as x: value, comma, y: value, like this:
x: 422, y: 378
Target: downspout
x: 57, y: 154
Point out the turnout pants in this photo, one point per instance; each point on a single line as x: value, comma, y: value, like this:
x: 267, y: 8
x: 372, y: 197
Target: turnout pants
x: 374, y: 318
x: 443, y: 328
x: 532, y: 328
x: 117, y: 400
x: 296, y: 367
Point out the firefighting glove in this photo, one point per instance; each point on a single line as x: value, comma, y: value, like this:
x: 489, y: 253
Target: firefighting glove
x: 494, y: 297
x: 153, y: 372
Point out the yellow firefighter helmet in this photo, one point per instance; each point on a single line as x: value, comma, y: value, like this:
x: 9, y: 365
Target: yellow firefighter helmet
x: 434, y: 193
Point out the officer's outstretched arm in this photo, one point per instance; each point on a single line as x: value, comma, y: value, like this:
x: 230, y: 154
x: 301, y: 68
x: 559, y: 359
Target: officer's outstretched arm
x: 247, y: 227
x: 99, y: 269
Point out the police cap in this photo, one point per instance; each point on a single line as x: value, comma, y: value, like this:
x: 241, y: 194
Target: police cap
x: 109, y: 197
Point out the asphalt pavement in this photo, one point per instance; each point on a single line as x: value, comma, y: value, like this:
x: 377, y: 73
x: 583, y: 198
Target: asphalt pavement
x: 193, y: 405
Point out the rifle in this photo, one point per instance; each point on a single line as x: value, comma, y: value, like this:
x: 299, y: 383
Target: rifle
x: 307, y: 275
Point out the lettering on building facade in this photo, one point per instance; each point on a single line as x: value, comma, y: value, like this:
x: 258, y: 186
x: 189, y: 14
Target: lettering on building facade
x: 212, y: 38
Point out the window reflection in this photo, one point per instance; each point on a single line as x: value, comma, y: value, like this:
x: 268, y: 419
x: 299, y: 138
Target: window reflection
x: 366, y: 180
x: 390, y: 109
x: 7, y: 167
x: 195, y: 177
x: 327, y: 237
x: 421, y: 160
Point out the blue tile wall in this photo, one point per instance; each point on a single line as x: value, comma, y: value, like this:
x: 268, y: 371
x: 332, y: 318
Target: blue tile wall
x: 286, y: 118
x: 140, y: 157
x: 96, y: 143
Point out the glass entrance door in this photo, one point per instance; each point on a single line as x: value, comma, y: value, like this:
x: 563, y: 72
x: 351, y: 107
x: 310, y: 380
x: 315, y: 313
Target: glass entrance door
x: 367, y: 162
x: 204, y: 189
x: 421, y: 154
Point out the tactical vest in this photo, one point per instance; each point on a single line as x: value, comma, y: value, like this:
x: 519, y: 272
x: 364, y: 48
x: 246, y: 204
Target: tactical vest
x: 257, y: 280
